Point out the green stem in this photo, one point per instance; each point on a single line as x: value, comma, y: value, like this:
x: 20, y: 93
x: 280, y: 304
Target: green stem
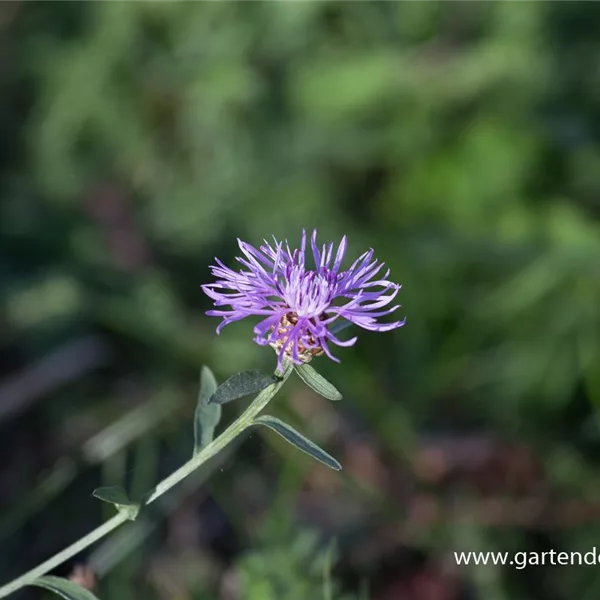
x: 64, y: 555
x: 236, y: 428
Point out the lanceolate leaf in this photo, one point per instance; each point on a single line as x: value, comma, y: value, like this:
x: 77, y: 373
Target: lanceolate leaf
x: 117, y: 496
x: 240, y: 385
x: 297, y: 439
x: 207, y: 415
x: 317, y: 382
x: 64, y: 588
x: 112, y: 494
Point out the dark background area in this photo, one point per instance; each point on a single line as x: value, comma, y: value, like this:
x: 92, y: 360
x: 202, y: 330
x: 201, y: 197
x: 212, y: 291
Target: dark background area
x: 460, y: 140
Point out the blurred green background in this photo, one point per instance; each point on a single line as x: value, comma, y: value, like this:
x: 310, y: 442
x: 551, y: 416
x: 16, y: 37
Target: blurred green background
x: 460, y: 140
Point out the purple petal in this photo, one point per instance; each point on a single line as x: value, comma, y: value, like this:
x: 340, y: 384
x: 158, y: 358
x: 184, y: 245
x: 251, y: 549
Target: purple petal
x: 340, y: 255
x: 315, y: 249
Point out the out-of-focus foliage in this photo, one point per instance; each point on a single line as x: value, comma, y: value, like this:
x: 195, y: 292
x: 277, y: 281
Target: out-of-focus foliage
x: 461, y: 140
x: 298, y: 569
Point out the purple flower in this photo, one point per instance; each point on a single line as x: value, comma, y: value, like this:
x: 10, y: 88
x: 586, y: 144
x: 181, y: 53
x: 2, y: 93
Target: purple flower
x: 299, y: 305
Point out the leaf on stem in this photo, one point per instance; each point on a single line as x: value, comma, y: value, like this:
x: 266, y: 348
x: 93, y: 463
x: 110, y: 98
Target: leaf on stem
x: 240, y: 385
x: 207, y: 416
x: 317, y: 382
x: 116, y: 495
x: 64, y: 588
x: 298, y: 440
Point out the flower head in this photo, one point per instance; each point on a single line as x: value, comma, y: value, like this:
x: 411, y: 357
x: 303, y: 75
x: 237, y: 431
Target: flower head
x: 299, y: 305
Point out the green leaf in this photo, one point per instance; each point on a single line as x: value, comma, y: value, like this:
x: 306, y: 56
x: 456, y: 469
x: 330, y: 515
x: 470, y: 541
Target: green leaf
x: 64, y: 588
x: 112, y: 494
x: 207, y: 416
x: 116, y: 495
x: 317, y: 382
x: 240, y: 385
x: 297, y: 439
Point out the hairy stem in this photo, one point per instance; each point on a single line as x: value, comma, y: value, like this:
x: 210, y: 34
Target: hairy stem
x: 235, y: 429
